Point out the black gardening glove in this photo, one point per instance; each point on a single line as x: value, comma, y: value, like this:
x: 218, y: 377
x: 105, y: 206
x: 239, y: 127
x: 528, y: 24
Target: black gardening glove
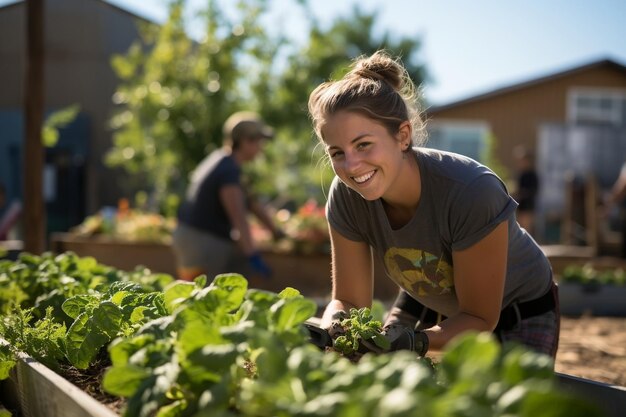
x: 405, y: 338
x: 336, y: 329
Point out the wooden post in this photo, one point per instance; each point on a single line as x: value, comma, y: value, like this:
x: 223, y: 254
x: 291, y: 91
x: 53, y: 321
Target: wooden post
x: 34, y: 219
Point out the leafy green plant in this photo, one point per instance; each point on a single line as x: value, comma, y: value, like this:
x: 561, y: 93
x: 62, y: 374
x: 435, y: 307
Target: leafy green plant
x: 226, y: 350
x: 64, y: 309
x: 216, y: 338
x: 359, y: 327
x: 588, y: 275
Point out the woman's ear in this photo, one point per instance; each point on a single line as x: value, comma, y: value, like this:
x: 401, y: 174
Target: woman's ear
x: 405, y: 135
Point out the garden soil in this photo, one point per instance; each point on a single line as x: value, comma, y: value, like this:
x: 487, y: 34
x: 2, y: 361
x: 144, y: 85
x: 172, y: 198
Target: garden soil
x: 593, y: 348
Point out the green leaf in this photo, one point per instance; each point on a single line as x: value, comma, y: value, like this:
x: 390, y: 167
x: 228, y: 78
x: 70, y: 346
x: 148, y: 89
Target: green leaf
x: 89, y: 333
x: 208, y: 364
x: 176, y: 293
x: 55, y: 121
x: 7, y: 361
x: 289, y: 313
x: 78, y: 304
x: 469, y: 355
x: 174, y: 409
x: 289, y: 292
x: 124, y: 380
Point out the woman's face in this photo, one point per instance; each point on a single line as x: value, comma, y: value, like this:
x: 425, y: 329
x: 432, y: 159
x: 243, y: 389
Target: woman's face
x: 363, y: 154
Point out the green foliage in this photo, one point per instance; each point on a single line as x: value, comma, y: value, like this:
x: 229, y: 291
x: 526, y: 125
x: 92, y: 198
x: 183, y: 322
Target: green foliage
x: 226, y: 350
x: 175, y: 95
x: 55, y: 121
x: 65, y: 309
x: 589, y: 276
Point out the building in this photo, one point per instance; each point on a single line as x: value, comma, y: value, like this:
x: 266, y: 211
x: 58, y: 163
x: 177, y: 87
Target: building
x: 80, y: 37
x: 573, y: 120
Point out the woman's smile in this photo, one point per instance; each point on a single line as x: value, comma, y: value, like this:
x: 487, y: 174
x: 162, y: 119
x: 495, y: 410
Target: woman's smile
x: 364, y: 178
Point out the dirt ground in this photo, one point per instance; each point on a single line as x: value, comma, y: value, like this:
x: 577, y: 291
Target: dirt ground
x: 593, y: 348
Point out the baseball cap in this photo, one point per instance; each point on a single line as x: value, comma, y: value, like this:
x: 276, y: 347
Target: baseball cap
x: 246, y: 124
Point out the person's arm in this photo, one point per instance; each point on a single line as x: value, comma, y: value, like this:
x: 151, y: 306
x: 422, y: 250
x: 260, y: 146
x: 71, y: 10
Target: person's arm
x: 233, y: 199
x: 266, y: 220
x: 479, y: 275
x: 352, y: 274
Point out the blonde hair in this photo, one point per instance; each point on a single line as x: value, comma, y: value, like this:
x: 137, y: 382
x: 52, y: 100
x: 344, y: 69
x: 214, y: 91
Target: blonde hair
x: 377, y: 87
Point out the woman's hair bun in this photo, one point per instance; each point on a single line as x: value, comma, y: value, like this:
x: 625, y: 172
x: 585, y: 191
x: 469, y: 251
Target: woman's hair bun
x: 379, y: 67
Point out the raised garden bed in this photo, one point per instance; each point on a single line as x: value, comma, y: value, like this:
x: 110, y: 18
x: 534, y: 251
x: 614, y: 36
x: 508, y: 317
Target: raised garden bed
x: 33, y: 390
x: 309, y: 272
x: 124, y: 255
x: 592, y: 299
x: 247, y: 349
x: 592, y: 289
x: 610, y: 398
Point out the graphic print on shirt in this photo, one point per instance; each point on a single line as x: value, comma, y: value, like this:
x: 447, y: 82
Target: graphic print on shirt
x: 419, y: 272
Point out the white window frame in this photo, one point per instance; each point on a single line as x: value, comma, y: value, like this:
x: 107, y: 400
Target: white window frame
x: 615, y: 114
x: 482, y: 127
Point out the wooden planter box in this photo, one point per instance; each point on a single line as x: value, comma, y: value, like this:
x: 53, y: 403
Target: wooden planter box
x: 597, y: 300
x: 309, y: 273
x: 36, y: 391
x: 120, y: 254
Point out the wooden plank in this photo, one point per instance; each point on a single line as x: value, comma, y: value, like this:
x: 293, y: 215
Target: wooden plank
x: 41, y: 392
x: 37, y: 391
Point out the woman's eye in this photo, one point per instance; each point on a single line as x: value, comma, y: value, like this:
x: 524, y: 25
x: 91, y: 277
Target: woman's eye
x: 362, y: 145
x: 335, y: 154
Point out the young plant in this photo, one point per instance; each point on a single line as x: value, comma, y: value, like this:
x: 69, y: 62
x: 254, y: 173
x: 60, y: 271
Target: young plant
x: 360, y: 327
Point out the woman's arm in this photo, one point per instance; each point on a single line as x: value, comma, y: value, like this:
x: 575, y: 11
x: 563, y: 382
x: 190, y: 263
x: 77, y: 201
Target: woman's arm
x: 352, y: 274
x: 479, y: 275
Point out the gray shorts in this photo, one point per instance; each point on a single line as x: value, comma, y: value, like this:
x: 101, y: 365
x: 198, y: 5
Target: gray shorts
x: 214, y: 255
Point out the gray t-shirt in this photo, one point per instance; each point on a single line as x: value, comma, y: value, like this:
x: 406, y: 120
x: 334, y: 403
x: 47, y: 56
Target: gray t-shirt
x: 461, y: 202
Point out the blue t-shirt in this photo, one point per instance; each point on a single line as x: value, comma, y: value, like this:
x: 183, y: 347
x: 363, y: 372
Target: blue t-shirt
x: 202, y: 208
x: 461, y: 202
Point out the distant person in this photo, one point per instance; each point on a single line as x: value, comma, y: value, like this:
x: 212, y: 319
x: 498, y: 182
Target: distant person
x: 213, y: 234
x: 9, y: 214
x: 616, y: 196
x: 527, y: 188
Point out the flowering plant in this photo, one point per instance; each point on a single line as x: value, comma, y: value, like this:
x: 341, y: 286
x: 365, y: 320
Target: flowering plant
x: 306, y: 230
x: 127, y: 224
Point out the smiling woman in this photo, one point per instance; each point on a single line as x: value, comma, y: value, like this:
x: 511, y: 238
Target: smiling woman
x: 442, y: 224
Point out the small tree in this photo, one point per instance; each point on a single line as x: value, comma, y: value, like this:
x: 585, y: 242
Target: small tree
x: 176, y: 93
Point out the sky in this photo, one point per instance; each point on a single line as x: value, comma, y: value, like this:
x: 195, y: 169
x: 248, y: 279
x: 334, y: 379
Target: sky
x: 469, y: 47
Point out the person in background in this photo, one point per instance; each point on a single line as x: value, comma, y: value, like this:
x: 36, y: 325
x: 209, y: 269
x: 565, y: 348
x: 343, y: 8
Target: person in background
x: 442, y: 224
x: 613, y: 199
x: 527, y: 188
x: 213, y: 234
x: 9, y: 214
